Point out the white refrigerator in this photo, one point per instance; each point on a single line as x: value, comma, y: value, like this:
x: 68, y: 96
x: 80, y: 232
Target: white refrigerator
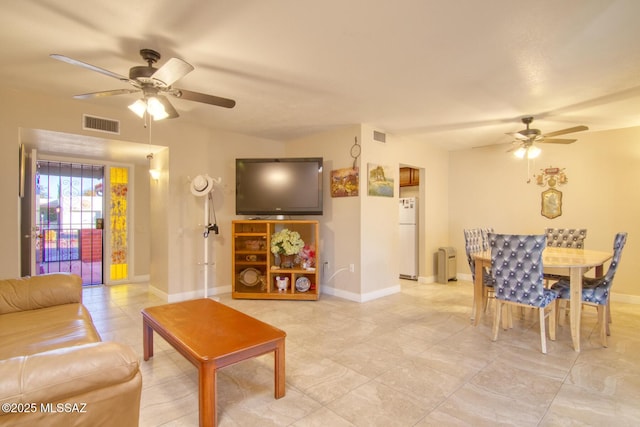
x: 409, y: 238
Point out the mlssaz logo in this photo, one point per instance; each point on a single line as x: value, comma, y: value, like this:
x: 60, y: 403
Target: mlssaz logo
x: 79, y: 408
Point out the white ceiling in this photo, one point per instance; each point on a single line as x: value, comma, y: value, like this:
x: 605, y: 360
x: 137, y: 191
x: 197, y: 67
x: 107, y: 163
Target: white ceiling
x: 460, y: 73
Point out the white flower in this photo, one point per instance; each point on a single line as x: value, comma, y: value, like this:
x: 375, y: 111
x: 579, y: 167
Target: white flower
x: 286, y: 242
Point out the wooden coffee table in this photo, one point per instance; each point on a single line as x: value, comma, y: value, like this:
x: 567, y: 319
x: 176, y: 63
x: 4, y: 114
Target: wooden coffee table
x: 211, y: 336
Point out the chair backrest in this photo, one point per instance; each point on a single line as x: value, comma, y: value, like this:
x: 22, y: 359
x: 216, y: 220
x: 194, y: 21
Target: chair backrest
x: 485, y: 238
x: 566, y: 237
x: 618, y: 244
x: 475, y: 240
x: 516, y: 267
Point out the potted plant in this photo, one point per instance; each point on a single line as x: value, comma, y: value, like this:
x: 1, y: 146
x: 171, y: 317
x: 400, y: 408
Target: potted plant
x: 286, y: 244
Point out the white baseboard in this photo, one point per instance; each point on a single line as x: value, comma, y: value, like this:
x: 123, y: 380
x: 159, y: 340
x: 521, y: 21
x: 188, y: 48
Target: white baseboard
x: 352, y: 296
x: 467, y: 277
x: 135, y: 279
x: 183, y: 296
x: 625, y: 298
x: 157, y: 292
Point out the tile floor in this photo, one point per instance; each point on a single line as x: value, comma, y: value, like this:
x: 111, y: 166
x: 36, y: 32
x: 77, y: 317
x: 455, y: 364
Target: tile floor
x: 410, y: 359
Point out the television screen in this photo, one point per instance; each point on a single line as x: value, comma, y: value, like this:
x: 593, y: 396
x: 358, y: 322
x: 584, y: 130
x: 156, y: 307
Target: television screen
x: 286, y: 186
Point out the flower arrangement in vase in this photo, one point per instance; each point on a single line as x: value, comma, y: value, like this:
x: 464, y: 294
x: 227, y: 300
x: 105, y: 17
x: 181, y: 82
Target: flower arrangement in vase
x: 286, y: 243
x: 307, y: 257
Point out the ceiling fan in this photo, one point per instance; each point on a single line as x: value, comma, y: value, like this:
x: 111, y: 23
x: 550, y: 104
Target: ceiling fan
x: 525, y: 139
x: 154, y: 83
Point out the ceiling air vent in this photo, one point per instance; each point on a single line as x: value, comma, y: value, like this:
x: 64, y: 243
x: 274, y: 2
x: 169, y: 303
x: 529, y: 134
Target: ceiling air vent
x: 100, y: 124
x: 379, y: 136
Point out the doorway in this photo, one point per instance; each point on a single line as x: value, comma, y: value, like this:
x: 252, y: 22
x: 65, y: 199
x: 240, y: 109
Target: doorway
x: 411, y: 226
x: 69, y: 216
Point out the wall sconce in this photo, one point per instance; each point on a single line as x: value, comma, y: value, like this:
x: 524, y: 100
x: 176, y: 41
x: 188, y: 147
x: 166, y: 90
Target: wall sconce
x: 154, y: 173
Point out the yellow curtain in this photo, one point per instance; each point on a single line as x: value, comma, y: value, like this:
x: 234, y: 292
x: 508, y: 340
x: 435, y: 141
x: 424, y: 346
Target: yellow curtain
x: 119, y: 189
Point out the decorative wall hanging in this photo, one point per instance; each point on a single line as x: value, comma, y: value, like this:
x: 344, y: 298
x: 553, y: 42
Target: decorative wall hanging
x: 551, y: 197
x: 355, y: 151
x: 551, y: 203
x: 345, y: 182
x: 380, y: 180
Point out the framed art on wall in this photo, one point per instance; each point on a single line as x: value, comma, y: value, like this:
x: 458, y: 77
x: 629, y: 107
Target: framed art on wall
x: 551, y: 203
x: 380, y: 181
x: 345, y: 182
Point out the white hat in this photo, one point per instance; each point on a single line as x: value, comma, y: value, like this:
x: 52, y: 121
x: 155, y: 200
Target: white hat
x: 201, y: 185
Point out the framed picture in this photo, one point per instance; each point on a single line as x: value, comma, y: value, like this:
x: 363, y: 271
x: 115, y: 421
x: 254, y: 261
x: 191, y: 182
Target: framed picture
x: 380, y: 180
x: 551, y: 203
x: 345, y: 182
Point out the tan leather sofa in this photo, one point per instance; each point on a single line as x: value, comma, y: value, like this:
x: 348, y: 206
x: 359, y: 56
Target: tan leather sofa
x: 54, y: 368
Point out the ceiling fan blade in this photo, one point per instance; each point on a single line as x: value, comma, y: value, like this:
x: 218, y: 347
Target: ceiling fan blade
x: 515, y: 146
x: 207, y: 99
x: 558, y: 141
x: 168, y: 107
x: 105, y: 93
x: 565, y: 131
x: 89, y: 67
x: 172, y: 71
x: 491, y: 146
x: 518, y: 135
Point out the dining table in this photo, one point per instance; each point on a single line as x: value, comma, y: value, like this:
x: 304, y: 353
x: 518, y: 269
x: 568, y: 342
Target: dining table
x: 572, y: 262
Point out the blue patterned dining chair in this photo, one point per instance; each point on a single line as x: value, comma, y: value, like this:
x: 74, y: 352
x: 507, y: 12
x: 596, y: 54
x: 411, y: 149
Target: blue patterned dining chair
x: 516, y: 268
x: 566, y: 237
x: 596, y: 291
x: 477, y: 240
x: 563, y: 238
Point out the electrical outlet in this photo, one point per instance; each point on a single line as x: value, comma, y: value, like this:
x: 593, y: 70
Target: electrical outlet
x: 352, y: 268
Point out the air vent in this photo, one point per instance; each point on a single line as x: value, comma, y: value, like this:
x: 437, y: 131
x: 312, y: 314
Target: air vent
x: 100, y: 124
x: 379, y: 136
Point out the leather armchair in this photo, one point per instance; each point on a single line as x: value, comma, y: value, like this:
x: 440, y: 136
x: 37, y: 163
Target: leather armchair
x: 54, y: 368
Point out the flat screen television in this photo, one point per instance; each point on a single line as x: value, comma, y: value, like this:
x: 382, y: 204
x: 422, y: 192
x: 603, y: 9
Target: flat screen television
x: 285, y: 186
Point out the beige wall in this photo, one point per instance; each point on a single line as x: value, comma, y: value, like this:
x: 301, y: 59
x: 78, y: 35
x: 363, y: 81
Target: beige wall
x: 460, y: 189
x: 174, y: 234
x: 488, y: 188
x: 379, y: 231
x: 433, y: 197
x: 223, y: 149
x: 24, y: 110
x: 363, y: 230
x: 339, y: 226
x: 360, y: 230
x: 141, y: 227
x: 158, y: 224
x: 194, y: 150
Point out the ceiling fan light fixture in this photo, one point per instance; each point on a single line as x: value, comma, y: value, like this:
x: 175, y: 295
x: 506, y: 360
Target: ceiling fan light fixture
x: 533, y: 152
x: 153, y: 82
x: 156, y: 108
x: 139, y: 107
x: 151, y: 105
